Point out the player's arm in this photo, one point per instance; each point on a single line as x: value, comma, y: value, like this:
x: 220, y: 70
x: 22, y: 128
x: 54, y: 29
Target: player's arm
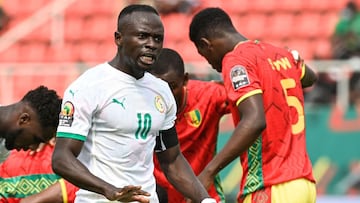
x: 244, y: 135
x: 309, y: 77
x: 66, y: 164
x: 176, y: 168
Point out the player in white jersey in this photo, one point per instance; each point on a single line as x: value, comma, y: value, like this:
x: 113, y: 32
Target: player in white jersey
x: 114, y: 116
x: 32, y: 120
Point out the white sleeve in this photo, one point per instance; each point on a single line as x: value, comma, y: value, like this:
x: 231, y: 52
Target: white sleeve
x: 171, y: 111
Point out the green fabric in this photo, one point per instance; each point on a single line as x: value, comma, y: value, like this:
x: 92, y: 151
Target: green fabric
x: 23, y: 186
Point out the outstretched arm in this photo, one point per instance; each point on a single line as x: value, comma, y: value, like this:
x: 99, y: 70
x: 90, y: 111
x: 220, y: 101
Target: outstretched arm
x: 177, y: 170
x: 65, y: 163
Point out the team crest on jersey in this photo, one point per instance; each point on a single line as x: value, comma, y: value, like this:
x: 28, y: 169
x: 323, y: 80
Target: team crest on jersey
x: 193, y: 118
x: 239, y: 77
x: 160, y: 104
x: 66, y: 116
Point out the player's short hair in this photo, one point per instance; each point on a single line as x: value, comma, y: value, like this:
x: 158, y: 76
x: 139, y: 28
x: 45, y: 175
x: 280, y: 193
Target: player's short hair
x: 47, y: 105
x: 210, y: 22
x: 134, y: 8
x: 168, y: 60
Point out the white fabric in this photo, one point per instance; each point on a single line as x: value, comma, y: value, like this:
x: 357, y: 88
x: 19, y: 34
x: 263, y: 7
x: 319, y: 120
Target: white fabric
x: 109, y: 107
x: 4, y: 153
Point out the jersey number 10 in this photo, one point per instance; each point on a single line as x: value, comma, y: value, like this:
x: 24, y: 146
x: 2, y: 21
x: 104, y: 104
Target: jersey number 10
x: 144, y: 125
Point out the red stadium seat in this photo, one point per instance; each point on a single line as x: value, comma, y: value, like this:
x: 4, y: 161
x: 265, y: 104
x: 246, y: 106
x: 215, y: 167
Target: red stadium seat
x: 281, y: 26
x: 253, y: 26
x: 80, y: 8
x: 188, y: 51
x: 32, y: 52
x: 236, y: 7
x: 176, y: 26
x: 73, y: 29
x: 317, y: 5
x: 11, y: 54
x: 307, y: 25
x: 99, y: 28
x: 41, y: 34
x: 89, y: 52
x: 304, y: 47
x: 69, y: 52
x: 212, y: 3
x: 262, y: 6
x: 323, y: 49
x: 22, y: 7
x: 291, y: 6
x: 327, y: 28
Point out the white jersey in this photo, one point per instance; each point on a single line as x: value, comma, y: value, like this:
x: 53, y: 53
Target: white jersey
x: 118, y: 118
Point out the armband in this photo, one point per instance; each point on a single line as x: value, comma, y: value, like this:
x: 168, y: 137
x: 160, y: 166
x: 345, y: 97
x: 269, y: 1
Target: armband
x: 208, y: 200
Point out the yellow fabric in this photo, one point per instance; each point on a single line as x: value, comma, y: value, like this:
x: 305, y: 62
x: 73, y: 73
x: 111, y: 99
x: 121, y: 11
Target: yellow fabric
x: 296, y: 191
x: 251, y: 93
x: 302, y: 70
x: 63, y: 190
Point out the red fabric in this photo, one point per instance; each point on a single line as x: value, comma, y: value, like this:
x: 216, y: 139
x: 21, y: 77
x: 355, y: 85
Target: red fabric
x: 21, y: 163
x: 282, y: 154
x: 197, y: 136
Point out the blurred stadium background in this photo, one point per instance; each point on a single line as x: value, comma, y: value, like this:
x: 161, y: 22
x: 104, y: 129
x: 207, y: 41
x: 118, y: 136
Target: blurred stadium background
x: 51, y: 42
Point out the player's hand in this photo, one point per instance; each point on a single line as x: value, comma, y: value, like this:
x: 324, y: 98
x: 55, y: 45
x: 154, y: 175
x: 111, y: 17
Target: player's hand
x: 129, y: 193
x: 42, y: 145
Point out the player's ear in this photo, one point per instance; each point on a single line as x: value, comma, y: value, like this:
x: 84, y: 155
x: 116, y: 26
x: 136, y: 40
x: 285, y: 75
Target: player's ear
x: 24, y: 118
x: 118, y: 38
x: 204, y: 43
x: 186, y: 78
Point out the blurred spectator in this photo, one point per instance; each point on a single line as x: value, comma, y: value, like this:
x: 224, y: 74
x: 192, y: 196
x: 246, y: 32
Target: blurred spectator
x: 176, y: 6
x: 346, y: 38
x: 27, y: 177
x: 345, y: 45
x: 4, y: 18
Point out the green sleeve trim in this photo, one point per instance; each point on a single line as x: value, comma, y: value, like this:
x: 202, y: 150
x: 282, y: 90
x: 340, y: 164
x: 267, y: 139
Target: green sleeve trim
x: 71, y: 135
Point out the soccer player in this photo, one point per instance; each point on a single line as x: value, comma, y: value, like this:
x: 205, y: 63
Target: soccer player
x: 28, y: 177
x: 264, y: 85
x: 200, y: 105
x: 114, y: 116
x: 29, y: 122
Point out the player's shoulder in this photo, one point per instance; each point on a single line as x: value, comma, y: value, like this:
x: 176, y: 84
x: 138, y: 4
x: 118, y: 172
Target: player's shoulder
x: 90, y: 77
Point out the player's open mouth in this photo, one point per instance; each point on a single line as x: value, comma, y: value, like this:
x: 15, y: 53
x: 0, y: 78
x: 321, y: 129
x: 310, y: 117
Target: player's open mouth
x: 147, y: 59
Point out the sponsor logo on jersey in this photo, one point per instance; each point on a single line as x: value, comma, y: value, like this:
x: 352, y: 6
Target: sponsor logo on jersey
x: 160, y: 104
x: 66, y: 116
x: 121, y: 103
x: 239, y: 77
x: 193, y: 118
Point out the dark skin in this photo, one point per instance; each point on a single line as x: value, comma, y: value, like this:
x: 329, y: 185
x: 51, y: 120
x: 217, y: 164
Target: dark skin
x: 139, y: 43
x: 21, y: 128
x: 253, y: 120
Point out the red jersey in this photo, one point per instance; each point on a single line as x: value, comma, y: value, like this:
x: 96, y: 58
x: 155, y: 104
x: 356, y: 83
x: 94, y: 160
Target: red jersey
x: 22, y: 175
x: 198, y: 127
x: 279, y: 154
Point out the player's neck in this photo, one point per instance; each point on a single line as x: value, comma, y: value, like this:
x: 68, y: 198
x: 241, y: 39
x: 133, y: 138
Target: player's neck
x: 184, y: 100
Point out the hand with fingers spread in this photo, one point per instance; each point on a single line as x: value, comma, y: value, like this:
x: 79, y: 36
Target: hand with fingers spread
x: 130, y: 193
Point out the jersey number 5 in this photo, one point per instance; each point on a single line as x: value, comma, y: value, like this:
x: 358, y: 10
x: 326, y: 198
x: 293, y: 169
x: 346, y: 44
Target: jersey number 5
x: 144, y: 125
x: 293, y: 101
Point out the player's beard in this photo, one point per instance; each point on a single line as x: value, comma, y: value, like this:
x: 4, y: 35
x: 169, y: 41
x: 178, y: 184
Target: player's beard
x: 10, y: 138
